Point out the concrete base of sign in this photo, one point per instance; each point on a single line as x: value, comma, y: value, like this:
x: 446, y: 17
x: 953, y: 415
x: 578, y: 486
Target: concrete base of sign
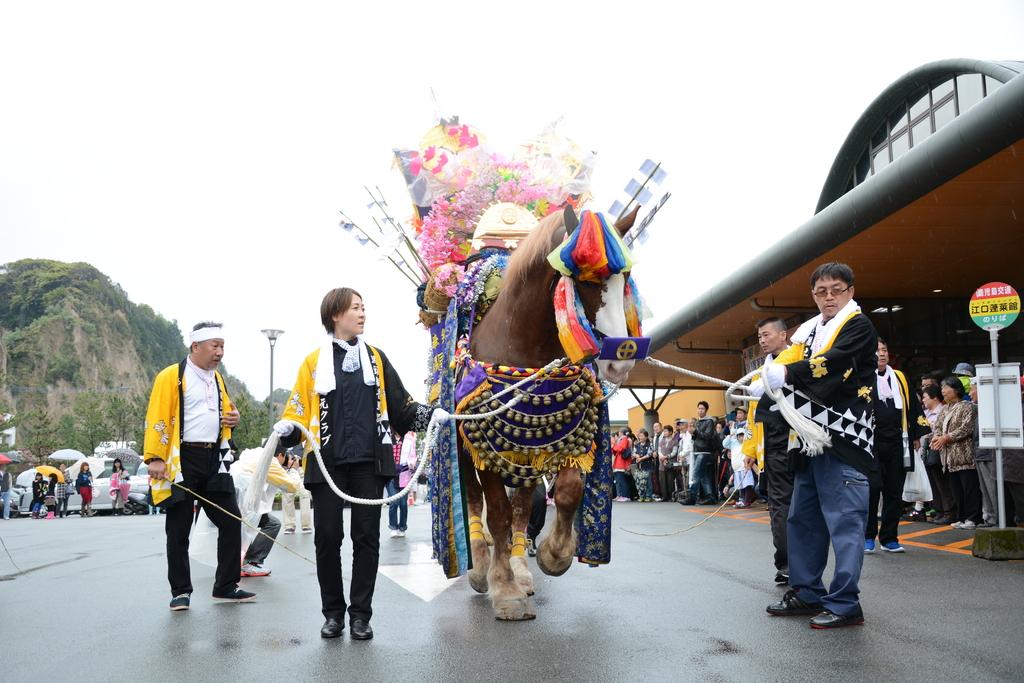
x: 999, y: 544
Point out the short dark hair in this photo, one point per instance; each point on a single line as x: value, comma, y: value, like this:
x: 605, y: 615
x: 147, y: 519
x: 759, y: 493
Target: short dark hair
x: 706, y: 405
x: 932, y: 391
x: 336, y: 301
x: 833, y: 270
x: 776, y: 321
x: 204, y: 324
x: 883, y: 342
x: 954, y: 383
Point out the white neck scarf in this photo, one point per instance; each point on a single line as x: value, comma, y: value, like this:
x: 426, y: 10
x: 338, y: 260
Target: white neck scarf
x: 885, y: 388
x: 823, y: 331
x: 210, y: 380
x: 356, y: 355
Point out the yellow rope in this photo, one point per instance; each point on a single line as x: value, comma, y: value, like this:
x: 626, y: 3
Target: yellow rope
x: 233, y: 516
x: 689, y: 528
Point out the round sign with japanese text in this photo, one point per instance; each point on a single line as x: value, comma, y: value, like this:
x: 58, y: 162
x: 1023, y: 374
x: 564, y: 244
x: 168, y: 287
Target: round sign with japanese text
x: 994, y: 306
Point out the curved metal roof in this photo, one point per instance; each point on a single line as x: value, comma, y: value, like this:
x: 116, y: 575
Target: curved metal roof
x: 893, y: 97
x: 987, y: 128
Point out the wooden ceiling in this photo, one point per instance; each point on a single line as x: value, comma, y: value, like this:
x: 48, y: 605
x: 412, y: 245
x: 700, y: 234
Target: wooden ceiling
x: 965, y: 233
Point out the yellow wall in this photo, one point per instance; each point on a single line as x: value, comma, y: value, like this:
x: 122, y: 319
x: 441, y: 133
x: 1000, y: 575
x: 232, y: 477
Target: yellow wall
x: 681, y: 404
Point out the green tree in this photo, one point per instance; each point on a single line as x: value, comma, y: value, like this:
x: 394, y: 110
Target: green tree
x: 91, y: 423
x: 119, y: 411
x: 37, y: 434
x: 252, y: 423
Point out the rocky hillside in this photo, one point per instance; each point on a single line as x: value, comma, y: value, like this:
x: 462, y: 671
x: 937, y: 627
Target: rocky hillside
x: 67, y: 329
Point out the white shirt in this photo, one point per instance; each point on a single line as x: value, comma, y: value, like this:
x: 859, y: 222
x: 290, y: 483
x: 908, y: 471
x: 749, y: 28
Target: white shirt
x: 201, y: 423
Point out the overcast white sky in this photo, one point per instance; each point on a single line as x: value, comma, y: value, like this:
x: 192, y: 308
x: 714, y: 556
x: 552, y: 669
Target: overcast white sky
x: 199, y: 153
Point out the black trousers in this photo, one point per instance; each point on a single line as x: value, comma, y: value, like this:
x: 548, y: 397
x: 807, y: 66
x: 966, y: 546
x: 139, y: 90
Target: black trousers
x: 197, y: 466
x: 360, y: 480
x: 942, y: 491
x: 890, y: 463
x: 538, y: 512
x: 779, y: 483
x: 967, y: 493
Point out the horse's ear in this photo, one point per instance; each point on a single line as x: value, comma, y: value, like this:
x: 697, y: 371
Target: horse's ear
x: 570, y: 219
x: 626, y: 222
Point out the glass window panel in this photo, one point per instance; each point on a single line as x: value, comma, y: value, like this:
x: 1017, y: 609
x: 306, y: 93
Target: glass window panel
x: 900, y: 145
x: 921, y: 130
x: 941, y: 90
x: 897, y: 121
x: 881, y: 158
x: 944, y: 114
x: 879, y: 136
x: 920, y: 103
x: 968, y: 89
x: 863, y: 167
x: 991, y: 85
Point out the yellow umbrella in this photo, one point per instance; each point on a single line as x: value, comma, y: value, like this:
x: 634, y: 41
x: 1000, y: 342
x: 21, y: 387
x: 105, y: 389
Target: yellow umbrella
x: 47, y: 470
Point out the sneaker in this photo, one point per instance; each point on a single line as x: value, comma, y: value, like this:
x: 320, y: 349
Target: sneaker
x: 394, y: 533
x: 234, y: 595
x: 250, y: 569
x: 869, y: 546
x: 957, y: 525
x: 531, y: 547
x: 179, y: 603
x: 782, y: 577
x: 289, y: 531
x: 968, y: 526
x: 307, y: 530
x: 893, y: 547
x: 399, y: 533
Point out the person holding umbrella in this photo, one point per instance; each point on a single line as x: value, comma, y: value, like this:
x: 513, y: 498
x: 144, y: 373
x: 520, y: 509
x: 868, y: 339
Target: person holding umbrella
x: 120, y: 485
x: 38, y: 495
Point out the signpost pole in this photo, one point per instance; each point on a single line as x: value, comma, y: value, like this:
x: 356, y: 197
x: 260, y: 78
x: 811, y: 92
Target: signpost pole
x: 993, y: 336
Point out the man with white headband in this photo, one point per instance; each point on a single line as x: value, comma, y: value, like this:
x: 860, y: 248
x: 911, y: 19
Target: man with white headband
x: 188, y: 432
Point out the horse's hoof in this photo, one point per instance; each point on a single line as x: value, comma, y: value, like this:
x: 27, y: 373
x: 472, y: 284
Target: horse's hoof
x: 478, y: 582
x: 514, y: 609
x: 521, y: 572
x: 550, y: 564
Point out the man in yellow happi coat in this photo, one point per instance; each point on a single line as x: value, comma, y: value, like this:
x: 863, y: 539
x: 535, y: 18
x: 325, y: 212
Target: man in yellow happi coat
x: 188, y: 432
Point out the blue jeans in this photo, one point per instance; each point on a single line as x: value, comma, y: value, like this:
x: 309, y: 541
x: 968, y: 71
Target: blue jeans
x: 5, y: 497
x: 398, y: 512
x: 702, y: 479
x: 830, y: 502
x: 621, y: 485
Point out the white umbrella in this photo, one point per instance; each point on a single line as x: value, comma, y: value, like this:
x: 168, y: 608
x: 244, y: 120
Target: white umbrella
x: 96, y: 466
x: 66, y: 455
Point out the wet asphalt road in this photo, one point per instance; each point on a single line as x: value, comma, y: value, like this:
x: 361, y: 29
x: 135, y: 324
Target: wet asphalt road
x: 682, y: 607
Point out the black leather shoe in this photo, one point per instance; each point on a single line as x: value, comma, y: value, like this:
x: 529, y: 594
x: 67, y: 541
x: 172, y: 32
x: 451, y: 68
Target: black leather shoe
x: 332, y: 628
x: 829, y: 620
x: 781, y: 577
x: 361, y: 629
x: 791, y: 605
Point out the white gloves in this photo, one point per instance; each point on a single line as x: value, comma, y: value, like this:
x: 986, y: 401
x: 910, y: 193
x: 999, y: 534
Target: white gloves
x: 283, y: 427
x: 442, y: 414
x: 775, y: 375
x: 756, y: 388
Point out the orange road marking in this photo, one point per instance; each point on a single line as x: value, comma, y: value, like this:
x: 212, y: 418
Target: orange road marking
x: 960, y: 544
x: 941, y: 548
x: 927, y: 532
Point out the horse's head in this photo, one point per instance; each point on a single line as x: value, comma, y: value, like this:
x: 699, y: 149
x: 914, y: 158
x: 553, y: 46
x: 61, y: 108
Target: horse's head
x: 605, y: 293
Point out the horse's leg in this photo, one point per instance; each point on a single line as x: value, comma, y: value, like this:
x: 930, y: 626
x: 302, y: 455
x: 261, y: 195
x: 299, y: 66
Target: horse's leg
x: 521, y: 504
x: 555, y: 553
x: 508, y: 599
x: 477, y: 543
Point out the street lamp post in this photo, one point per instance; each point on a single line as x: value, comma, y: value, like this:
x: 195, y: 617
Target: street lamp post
x: 272, y: 336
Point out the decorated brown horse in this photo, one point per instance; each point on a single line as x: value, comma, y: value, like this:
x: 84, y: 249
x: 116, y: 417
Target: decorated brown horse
x: 566, y: 290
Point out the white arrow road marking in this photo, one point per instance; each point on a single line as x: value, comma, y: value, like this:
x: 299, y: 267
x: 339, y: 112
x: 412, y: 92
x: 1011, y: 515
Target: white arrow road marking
x: 421, y: 575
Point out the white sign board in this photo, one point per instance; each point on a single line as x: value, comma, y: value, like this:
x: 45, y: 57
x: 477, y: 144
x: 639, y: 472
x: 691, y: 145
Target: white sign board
x: 1011, y: 419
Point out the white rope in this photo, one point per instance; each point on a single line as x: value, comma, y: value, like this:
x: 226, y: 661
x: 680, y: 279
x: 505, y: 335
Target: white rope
x: 435, y: 421
x: 813, y: 438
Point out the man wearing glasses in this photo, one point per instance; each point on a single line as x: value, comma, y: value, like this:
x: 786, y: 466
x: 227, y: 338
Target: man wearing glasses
x: 832, y: 383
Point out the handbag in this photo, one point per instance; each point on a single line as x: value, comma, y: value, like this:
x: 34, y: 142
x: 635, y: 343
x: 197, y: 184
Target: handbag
x: 916, y: 487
